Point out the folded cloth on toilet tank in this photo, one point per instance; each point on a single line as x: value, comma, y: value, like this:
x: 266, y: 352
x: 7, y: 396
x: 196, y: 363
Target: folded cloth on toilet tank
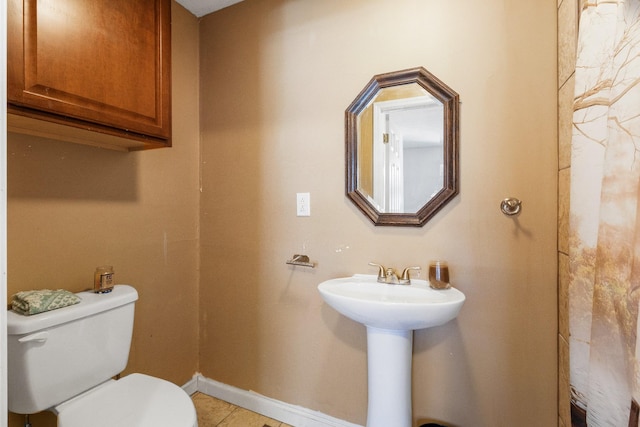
x: 39, y: 301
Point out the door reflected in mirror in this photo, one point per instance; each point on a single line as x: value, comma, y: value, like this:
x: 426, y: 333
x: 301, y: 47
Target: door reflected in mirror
x: 402, y: 147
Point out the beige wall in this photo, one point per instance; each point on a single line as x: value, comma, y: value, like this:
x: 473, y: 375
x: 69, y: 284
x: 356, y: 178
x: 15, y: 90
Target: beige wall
x: 276, y: 78
x: 72, y: 208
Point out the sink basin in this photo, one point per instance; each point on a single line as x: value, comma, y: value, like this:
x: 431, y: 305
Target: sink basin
x: 396, y: 307
x: 391, y: 313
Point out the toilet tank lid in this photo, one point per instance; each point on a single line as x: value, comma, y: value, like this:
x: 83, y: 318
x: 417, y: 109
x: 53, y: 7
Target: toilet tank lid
x: 90, y: 304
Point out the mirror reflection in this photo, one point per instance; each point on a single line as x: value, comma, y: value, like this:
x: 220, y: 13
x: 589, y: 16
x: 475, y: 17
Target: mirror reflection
x: 402, y: 147
x: 402, y: 160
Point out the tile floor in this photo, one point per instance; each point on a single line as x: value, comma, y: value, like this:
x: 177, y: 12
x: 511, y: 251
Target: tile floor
x: 213, y: 412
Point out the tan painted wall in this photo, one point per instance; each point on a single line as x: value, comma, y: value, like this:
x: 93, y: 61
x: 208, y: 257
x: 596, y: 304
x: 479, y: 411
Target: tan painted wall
x: 72, y: 208
x: 276, y: 77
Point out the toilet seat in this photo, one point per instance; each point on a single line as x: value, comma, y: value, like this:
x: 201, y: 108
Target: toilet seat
x: 136, y: 400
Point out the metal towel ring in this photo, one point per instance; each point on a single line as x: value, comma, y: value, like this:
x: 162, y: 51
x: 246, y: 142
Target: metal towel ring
x: 511, y: 206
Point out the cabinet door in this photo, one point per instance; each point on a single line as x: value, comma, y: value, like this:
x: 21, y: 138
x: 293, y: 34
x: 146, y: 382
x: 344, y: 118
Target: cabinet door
x: 92, y: 62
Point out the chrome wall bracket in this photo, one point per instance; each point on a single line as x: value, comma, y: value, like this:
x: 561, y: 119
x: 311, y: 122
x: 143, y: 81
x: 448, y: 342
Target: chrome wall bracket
x: 301, y: 260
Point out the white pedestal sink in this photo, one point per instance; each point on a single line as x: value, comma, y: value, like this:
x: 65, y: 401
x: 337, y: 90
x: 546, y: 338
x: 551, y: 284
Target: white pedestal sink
x: 391, y: 313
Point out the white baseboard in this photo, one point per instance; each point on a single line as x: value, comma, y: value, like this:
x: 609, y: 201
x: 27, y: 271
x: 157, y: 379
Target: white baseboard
x: 192, y: 385
x: 296, y: 416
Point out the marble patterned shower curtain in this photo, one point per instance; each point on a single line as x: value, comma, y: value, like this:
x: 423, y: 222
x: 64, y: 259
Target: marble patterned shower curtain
x: 605, y: 217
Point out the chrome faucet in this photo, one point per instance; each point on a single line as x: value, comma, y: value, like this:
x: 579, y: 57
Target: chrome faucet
x: 390, y: 277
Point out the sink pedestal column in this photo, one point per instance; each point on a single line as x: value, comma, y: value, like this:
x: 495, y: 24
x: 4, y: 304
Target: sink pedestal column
x: 389, y: 354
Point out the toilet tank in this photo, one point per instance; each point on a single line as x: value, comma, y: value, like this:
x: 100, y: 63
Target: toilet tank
x: 56, y: 355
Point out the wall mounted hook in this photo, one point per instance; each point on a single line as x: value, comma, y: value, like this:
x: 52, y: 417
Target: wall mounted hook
x: 511, y: 206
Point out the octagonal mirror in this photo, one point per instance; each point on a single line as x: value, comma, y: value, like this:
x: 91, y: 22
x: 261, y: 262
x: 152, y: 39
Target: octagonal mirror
x: 402, y: 147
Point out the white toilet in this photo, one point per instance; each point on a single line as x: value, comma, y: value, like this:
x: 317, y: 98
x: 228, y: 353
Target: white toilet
x: 64, y: 360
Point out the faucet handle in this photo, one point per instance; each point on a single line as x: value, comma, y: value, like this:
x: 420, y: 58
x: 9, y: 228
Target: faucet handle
x: 406, y: 278
x: 381, y: 271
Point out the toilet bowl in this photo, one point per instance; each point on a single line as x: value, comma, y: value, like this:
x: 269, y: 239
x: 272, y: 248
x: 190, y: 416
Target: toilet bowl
x: 135, y: 400
x: 64, y: 361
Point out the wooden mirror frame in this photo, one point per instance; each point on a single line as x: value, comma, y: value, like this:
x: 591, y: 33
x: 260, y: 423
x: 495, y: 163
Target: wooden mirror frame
x: 450, y: 101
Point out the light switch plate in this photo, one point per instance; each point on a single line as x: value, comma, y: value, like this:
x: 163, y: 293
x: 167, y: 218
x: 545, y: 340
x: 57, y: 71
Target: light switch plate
x: 303, y: 204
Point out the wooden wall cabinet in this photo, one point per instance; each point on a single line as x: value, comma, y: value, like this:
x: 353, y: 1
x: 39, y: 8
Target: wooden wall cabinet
x: 95, y: 72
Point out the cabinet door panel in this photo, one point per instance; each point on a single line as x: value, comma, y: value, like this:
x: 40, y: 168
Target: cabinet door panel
x: 103, y: 61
